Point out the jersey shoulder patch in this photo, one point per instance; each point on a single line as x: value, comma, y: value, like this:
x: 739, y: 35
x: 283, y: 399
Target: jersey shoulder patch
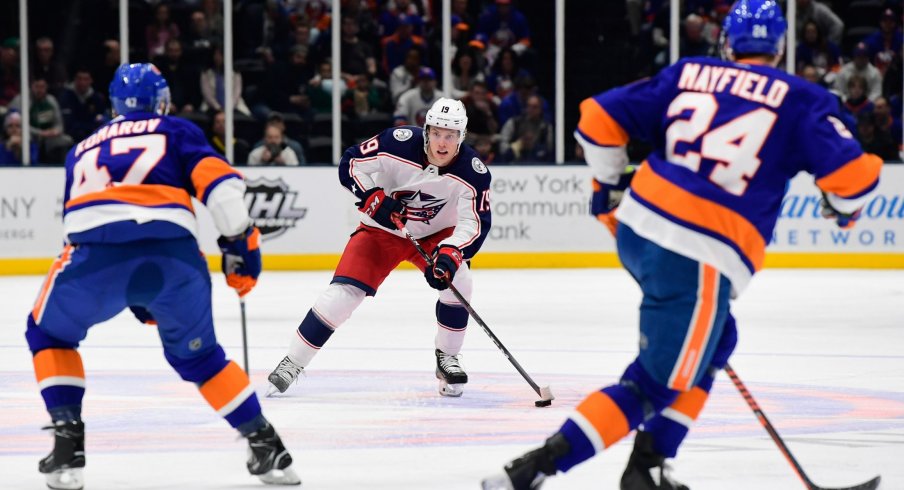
x: 478, y: 166
x: 402, y: 134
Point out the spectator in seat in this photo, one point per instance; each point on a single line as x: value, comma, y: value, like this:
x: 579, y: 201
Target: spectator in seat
x: 856, y: 101
x: 46, y: 122
x: 528, y: 137
x: 217, y: 139
x: 401, y: 11
x: 811, y: 74
x: 481, y: 112
x: 277, y: 119
x: 460, y: 10
x: 693, y: 42
x: 403, y: 76
x: 182, y: 76
x: 413, y: 104
x: 885, y: 122
x: 817, y: 51
x: 46, y: 66
x: 829, y: 23
x: 285, y: 86
x: 84, y: 110
x: 357, y: 57
x: 505, y: 71
x: 199, y: 39
x: 465, y: 71
x: 102, y: 72
x: 397, y: 45
x: 513, y: 104
x: 886, y: 42
x: 213, y: 87
x: 504, y: 26
x: 483, y: 145
x: 321, y: 86
x: 862, y: 67
x: 872, y: 141
x: 365, y: 98
x: 214, y: 15
x: 9, y: 72
x: 11, y: 147
x: 274, y: 151
x: 160, y: 30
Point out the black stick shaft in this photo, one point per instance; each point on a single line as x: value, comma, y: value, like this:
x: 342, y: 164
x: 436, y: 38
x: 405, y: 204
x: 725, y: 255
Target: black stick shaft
x: 244, y: 334
x: 474, y: 315
x: 764, y: 421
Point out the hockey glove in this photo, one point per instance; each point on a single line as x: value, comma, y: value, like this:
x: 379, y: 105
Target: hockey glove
x: 242, y: 260
x: 844, y: 220
x: 381, y: 208
x: 607, y: 197
x: 143, y: 315
x: 446, y: 261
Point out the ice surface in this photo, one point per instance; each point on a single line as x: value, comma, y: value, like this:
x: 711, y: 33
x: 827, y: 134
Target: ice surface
x: 820, y: 350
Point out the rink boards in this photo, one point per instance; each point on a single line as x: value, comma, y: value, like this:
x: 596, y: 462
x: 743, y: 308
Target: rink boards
x: 540, y: 220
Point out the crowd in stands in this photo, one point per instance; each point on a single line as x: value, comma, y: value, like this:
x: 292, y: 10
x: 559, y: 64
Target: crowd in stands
x: 391, y: 66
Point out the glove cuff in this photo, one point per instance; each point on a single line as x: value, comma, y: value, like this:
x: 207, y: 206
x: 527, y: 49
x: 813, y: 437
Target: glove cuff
x: 452, y: 252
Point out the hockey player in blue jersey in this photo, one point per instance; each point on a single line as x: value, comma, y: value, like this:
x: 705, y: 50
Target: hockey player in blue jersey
x: 693, y: 225
x: 131, y: 242
x: 428, y: 177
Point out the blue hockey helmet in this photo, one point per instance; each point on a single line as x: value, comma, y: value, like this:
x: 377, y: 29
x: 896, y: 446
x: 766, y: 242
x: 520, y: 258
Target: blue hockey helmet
x: 755, y: 27
x: 139, y: 87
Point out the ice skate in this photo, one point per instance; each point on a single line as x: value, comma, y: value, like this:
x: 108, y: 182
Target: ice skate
x: 64, y: 466
x: 529, y: 471
x: 450, y: 374
x: 268, y: 458
x: 647, y: 470
x: 283, y: 376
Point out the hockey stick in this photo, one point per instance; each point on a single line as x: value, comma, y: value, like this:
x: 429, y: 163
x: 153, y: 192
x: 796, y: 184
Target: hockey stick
x: 244, y: 334
x: 545, y: 393
x: 869, y: 485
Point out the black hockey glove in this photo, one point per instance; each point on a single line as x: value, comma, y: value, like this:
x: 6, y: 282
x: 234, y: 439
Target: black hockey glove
x: 381, y: 208
x: 844, y: 220
x: 607, y: 197
x: 446, y: 261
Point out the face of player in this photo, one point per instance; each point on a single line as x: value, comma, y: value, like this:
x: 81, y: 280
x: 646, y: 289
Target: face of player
x: 443, y: 145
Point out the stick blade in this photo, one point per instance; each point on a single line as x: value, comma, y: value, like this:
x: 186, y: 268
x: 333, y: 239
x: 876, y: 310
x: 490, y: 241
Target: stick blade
x: 869, y: 485
x: 546, y: 394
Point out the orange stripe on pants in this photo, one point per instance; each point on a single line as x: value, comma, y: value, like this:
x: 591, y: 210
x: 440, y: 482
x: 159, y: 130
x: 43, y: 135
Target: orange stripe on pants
x: 690, y: 403
x: 225, y: 386
x: 58, y: 265
x: 695, y: 342
x: 58, y: 362
x: 605, y: 416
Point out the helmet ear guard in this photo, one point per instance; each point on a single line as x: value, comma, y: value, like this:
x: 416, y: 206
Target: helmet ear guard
x: 449, y: 114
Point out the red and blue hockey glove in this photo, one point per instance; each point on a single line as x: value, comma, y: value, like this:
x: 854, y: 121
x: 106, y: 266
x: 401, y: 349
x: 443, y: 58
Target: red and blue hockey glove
x: 844, y: 220
x: 381, y: 208
x: 242, y: 260
x: 607, y: 197
x: 143, y: 315
x: 446, y: 261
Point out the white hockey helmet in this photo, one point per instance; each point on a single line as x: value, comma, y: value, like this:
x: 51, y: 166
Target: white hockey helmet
x: 447, y: 113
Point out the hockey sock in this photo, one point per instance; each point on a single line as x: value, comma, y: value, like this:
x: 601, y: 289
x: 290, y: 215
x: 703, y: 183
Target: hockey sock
x: 310, y: 337
x: 670, y: 426
x: 61, y: 378
x: 222, y: 383
x: 608, y: 415
x: 452, y: 320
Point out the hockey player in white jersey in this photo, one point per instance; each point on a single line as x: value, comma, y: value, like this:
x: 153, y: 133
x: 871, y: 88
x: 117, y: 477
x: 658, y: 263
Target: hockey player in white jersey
x: 439, y: 187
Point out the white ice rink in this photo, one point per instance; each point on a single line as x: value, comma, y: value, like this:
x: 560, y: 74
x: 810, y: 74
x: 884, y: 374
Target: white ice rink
x: 822, y: 351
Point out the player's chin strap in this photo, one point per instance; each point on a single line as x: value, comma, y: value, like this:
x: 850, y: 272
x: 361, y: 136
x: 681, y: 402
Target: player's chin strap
x: 545, y: 393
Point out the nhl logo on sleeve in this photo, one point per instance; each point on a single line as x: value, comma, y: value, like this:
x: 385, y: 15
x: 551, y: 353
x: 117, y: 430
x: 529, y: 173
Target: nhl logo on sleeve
x: 479, y: 167
x: 402, y: 134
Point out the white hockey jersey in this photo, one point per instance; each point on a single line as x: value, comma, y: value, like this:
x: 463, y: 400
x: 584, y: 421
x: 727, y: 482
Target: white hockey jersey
x: 455, y: 196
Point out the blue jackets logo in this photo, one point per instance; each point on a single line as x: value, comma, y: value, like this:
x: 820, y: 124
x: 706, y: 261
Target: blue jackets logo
x: 420, y: 206
x: 271, y: 205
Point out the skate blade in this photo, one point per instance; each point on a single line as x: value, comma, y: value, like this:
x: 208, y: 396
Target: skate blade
x: 66, y: 479
x: 497, y: 482
x: 451, y: 390
x: 272, y: 389
x: 286, y: 476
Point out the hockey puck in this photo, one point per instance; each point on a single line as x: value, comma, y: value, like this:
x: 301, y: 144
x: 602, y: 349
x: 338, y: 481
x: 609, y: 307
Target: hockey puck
x: 542, y: 403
